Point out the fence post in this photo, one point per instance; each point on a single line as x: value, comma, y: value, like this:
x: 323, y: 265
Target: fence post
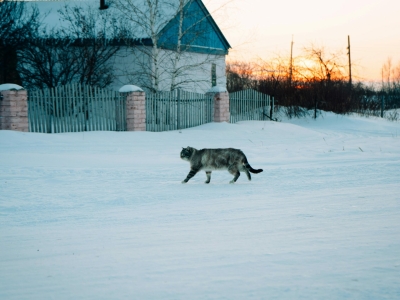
x: 178, y: 110
x: 13, y: 107
x: 221, y: 103
x: 271, y: 113
x: 135, y: 107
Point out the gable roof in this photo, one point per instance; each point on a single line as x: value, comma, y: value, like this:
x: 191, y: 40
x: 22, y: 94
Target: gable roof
x: 119, y: 14
x: 200, y: 33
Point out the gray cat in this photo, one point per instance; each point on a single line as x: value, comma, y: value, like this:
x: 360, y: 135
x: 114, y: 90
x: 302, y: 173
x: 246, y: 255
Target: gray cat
x: 209, y: 160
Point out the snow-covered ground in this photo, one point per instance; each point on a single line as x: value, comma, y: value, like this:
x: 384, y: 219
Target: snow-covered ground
x: 103, y: 215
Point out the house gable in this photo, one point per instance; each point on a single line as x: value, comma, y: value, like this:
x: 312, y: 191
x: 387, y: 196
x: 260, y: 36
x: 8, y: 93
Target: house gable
x: 199, y: 34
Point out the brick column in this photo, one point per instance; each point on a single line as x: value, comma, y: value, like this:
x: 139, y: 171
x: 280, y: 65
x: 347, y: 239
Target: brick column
x: 13, y: 108
x: 221, y: 104
x: 135, y: 108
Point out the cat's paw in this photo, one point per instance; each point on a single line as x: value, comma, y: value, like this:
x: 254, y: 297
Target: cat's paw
x: 232, y: 181
x: 184, y: 181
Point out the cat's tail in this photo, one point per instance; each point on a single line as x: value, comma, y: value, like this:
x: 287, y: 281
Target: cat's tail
x: 248, y: 167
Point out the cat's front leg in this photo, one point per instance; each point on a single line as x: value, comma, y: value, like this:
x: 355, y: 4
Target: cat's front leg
x: 190, y: 175
x: 208, y: 174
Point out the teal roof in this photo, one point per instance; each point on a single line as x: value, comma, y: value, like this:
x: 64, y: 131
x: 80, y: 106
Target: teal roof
x: 199, y: 32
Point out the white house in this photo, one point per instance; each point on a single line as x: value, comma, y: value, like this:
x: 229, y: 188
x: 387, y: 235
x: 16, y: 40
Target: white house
x: 168, y: 45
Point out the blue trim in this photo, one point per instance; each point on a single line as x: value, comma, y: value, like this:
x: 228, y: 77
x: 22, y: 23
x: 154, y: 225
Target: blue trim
x: 196, y: 49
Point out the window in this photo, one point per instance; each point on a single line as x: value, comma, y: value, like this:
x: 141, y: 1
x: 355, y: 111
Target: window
x: 213, y: 75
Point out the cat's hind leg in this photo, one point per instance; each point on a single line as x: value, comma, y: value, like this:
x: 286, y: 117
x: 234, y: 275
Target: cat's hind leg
x: 208, y: 174
x: 244, y: 169
x: 248, y: 174
x: 235, y: 172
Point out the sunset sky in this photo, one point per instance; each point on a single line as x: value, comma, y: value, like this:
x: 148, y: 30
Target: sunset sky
x: 263, y: 28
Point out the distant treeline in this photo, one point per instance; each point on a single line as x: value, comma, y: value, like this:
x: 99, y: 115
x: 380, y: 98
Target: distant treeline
x: 317, y: 82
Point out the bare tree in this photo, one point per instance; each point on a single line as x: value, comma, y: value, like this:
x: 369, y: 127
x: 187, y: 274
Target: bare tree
x: 390, y: 90
x: 240, y: 75
x: 47, y: 62
x: 319, y: 64
x: 318, y: 82
x: 396, y: 78
x: 145, y: 20
x: 273, y: 74
x: 322, y: 71
x: 387, y: 72
x: 164, y: 33
x: 195, y: 31
x: 16, y: 26
x: 78, y: 52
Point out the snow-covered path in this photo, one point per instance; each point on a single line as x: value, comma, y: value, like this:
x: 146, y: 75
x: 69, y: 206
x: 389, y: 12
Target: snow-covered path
x: 103, y: 215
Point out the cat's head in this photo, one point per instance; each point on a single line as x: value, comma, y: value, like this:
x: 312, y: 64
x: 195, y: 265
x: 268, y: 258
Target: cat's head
x: 186, y: 153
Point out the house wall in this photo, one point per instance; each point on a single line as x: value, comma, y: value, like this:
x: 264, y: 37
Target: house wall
x: 131, y: 66
x: 134, y: 66
x: 195, y: 71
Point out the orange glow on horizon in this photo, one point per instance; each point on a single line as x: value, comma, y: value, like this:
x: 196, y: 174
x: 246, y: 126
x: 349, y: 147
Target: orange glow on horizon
x: 258, y: 29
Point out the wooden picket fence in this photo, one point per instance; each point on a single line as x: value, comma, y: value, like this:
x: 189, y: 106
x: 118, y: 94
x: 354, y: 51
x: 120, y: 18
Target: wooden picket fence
x: 76, y: 107
x: 177, y: 110
x: 250, y: 105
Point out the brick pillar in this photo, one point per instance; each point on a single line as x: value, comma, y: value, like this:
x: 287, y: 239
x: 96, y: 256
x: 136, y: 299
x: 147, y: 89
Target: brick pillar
x: 135, y: 108
x: 221, y: 104
x: 13, y: 108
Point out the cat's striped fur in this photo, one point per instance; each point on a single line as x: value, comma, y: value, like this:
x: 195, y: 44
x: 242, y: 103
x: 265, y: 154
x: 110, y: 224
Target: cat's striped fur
x: 232, y: 160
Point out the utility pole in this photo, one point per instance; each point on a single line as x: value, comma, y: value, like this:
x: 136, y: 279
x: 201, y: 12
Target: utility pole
x: 348, y: 52
x: 382, y: 95
x: 291, y: 63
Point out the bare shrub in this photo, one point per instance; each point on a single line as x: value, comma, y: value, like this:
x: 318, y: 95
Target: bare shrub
x: 318, y: 81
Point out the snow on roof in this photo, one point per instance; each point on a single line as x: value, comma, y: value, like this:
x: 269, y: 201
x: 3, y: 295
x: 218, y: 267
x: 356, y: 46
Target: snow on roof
x: 130, y: 88
x: 10, y: 86
x: 121, y: 11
